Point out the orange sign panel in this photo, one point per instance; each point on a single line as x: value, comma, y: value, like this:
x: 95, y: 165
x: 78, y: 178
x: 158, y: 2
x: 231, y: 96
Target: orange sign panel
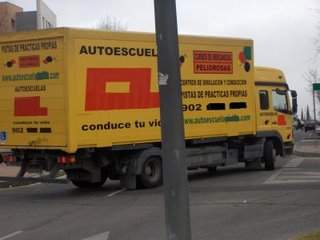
x: 213, y: 62
x: 29, y: 61
x: 99, y: 96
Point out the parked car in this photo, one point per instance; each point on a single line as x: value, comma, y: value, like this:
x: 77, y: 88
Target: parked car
x: 310, y: 125
x: 297, y: 123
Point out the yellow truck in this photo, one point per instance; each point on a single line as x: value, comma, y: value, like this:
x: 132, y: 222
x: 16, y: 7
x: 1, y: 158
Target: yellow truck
x: 87, y: 102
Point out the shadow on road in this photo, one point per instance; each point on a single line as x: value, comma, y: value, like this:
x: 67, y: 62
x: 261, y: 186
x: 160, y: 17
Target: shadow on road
x: 203, y: 174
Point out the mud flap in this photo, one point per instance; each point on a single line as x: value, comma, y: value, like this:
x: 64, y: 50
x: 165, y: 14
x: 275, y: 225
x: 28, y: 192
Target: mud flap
x: 129, y: 179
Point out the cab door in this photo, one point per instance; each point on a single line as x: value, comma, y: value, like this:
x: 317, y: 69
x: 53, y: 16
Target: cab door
x: 264, y: 109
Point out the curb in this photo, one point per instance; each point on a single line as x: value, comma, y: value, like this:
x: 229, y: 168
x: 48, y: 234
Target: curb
x: 306, y: 154
x: 299, y: 147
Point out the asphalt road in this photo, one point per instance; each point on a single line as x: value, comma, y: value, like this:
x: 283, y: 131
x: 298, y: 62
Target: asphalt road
x: 301, y: 134
x: 233, y: 203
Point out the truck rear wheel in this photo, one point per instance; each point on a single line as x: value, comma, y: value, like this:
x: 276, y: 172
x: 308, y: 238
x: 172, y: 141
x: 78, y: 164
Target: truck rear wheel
x: 151, y: 175
x: 269, y: 155
x: 87, y: 184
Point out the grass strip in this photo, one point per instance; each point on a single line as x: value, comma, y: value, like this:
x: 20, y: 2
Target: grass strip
x: 311, y: 236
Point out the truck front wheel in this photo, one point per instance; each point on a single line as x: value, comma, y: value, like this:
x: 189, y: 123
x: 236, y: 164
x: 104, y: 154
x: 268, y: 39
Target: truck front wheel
x: 269, y: 155
x: 151, y: 175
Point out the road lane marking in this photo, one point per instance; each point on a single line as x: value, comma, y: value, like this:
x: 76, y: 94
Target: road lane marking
x: 292, y: 181
x: 11, y: 235
x: 290, y: 175
x: 294, y: 163
x: 116, y: 192
x: 299, y: 177
x: 303, y: 173
x: 273, y: 177
x: 100, y: 236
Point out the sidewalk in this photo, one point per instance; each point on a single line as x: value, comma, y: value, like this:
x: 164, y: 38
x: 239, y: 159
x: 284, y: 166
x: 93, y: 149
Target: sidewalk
x: 308, y: 148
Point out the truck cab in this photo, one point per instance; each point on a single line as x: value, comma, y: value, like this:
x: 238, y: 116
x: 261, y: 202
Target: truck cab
x: 275, y: 106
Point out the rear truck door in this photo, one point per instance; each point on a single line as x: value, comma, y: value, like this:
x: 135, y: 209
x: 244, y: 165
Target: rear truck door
x: 32, y: 93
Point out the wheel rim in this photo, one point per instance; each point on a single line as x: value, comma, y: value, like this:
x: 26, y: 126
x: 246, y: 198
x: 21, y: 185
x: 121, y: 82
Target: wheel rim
x: 151, y: 169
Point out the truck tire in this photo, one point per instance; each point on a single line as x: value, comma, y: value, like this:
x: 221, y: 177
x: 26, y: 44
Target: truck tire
x: 87, y: 185
x: 90, y: 185
x: 253, y: 165
x: 151, y: 175
x: 212, y: 170
x: 269, y: 155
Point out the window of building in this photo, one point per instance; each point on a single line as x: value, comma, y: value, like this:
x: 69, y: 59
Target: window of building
x: 280, y: 101
x: 264, y: 99
x: 13, y: 23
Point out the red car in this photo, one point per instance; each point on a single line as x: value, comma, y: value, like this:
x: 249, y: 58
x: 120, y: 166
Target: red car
x: 7, y: 157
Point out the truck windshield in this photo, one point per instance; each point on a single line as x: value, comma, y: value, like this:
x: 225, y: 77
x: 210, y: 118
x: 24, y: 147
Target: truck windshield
x: 280, y: 101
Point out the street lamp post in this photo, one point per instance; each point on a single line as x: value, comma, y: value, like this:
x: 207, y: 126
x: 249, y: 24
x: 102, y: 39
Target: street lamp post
x: 172, y: 127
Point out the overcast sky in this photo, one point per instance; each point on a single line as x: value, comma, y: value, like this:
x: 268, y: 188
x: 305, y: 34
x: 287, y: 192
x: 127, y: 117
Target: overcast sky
x: 284, y: 31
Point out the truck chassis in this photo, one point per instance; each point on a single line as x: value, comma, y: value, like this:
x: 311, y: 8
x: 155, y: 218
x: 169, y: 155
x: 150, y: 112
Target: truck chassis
x: 140, y: 166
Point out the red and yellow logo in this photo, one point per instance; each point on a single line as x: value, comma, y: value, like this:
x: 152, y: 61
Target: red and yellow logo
x: 119, y: 88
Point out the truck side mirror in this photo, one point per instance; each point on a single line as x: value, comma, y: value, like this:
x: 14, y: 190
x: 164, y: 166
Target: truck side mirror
x: 294, y: 101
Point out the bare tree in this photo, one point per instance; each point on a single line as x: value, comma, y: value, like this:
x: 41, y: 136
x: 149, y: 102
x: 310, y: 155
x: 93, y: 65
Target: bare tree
x: 111, y: 24
x: 317, y: 39
x: 308, y: 116
x: 312, y: 76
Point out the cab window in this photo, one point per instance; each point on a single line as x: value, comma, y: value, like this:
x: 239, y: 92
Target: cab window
x: 280, y: 101
x: 264, y: 99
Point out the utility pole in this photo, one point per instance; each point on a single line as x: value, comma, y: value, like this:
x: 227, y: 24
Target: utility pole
x: 176, y: 192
